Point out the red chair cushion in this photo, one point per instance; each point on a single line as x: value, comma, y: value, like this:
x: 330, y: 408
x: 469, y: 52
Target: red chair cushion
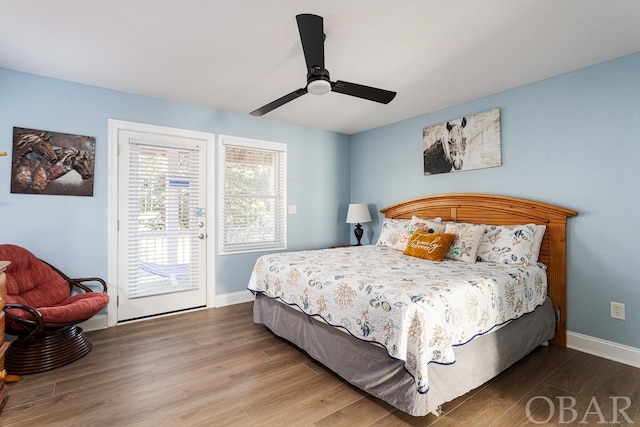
x: 32, y: 282
x: 75, y: 308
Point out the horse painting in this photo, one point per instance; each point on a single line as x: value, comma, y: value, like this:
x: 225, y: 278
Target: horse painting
x: 471, y: 142
x: 39, y: 163
x: 448, y: 150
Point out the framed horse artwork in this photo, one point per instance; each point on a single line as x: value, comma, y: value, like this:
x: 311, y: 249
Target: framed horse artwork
x: 470, y: 142
x: 56, y: 163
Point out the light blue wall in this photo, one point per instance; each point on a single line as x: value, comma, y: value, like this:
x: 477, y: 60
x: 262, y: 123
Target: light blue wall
x: 573, y: 141
x: 71, y: 232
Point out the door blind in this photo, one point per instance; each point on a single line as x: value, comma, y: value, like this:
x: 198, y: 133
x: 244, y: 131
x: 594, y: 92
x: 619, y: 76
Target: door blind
x: 162, y: 219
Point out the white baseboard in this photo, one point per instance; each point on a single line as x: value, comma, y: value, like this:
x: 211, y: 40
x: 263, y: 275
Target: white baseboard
x: 607, y: 349
x: 234, y: 298
x: 99, y: 321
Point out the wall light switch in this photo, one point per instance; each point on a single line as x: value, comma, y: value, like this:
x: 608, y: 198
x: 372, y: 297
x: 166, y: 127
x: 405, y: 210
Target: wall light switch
x: 293, y: 209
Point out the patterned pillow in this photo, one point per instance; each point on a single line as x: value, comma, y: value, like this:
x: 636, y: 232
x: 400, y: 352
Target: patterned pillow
x: 507, y: 244
x: 392, y: 230
x: 429, y: 225
x: 431, y: 246
x: 465, y: 245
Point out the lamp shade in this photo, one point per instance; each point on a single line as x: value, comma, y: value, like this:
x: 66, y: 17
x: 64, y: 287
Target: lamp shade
x: 358, y: 213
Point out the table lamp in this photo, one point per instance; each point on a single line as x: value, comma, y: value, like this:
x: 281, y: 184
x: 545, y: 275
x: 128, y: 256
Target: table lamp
x: 357, y: 213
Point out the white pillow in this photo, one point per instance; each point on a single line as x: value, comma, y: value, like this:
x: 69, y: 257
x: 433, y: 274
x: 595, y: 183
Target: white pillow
x: 429, y: 225
x: 537, y: 243
x: 507, y: 244
x: 465, y: 245
x: 434, y: 224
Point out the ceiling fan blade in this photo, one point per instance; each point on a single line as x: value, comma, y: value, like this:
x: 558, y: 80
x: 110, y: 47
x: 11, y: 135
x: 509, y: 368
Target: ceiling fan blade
x: 279, y: 102
x: 367, y: 92
x: 312, y: 38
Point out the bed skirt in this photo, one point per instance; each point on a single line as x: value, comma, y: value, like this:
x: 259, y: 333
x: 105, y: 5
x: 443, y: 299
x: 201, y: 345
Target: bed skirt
x: 369, y: 367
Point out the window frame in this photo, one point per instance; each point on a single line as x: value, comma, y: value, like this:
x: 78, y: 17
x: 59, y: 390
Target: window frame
x: 279, y: 220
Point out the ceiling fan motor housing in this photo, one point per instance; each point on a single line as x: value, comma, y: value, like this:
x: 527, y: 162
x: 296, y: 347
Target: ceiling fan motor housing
x: 318, y: 81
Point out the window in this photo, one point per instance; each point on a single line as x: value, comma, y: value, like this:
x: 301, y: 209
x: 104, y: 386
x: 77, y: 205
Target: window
x: 252, y: 191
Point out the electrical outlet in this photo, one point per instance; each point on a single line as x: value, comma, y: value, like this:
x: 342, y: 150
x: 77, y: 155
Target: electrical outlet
x: 617, y: 310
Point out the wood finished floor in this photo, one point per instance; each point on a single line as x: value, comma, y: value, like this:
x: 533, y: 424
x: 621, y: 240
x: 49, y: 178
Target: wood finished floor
x: 216, y: 368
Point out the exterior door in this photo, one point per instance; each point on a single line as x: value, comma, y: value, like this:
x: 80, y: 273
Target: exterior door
x: 162, y: 224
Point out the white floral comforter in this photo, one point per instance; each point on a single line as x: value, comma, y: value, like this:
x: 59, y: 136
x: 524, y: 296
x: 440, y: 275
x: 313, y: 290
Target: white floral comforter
x: 417, y: 309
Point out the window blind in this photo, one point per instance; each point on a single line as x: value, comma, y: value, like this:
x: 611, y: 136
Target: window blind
x: 252, y: 195
x: 162, y: 219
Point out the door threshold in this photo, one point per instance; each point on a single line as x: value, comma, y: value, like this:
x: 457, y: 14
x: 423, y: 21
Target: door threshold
x: 166, y: 314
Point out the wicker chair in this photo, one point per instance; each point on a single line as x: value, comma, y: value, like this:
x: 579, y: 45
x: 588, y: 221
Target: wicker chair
x: 43, y: 307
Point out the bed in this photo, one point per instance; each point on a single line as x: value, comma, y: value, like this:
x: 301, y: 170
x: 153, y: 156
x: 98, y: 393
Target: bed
x: 362, y: 341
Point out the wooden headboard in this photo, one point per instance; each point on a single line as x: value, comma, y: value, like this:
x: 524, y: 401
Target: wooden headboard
x: 502, y: 210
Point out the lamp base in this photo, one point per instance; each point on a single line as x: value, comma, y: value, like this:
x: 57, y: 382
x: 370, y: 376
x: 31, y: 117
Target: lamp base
x: 358, y: 232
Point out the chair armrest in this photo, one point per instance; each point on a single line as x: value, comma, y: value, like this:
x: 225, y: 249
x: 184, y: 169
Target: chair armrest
x: 80, y: 283
x: 35, y: 325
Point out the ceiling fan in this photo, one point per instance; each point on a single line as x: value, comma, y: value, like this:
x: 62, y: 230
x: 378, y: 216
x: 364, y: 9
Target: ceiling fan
x: 318, y: 82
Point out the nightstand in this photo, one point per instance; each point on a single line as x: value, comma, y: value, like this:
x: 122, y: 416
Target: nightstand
x: 3, y: 345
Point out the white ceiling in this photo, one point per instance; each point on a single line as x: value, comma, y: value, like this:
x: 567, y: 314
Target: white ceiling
x: 237, y: 55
